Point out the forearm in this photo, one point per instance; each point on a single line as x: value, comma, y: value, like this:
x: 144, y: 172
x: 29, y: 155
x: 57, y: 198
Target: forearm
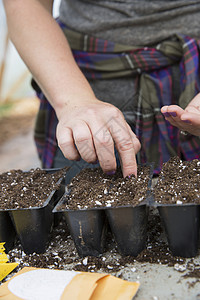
x: 44, y: 49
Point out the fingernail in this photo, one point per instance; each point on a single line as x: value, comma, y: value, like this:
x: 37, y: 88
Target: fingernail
x: 110, y: 172
x: 95, y: 162
x: 173, y: 114
x: 166, y: 114
x: 129, y: 176
x: 187, y: 121
x: 78, y: 159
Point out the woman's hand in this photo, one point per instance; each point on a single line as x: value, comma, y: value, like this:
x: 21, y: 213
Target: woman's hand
x: 91, y: 129
x: 187, y: 119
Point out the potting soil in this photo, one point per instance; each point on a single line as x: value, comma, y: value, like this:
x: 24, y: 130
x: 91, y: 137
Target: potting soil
x: 179, y: 182
x: 92, y: 188
x: 20, y: 189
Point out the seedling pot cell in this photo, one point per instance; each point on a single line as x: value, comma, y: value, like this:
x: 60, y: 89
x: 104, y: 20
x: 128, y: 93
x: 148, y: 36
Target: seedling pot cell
x: 33, y: 225
x: 88, y: 230
x: 129, y: 226
x: 7, y: 230
x: 181, y: 223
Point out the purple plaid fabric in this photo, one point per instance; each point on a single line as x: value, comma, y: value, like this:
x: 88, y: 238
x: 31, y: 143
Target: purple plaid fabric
x: 99, y: 58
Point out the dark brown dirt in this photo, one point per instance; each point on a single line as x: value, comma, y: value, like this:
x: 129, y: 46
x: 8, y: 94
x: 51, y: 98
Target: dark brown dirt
x: 20, y: 189
x: 193, y: 274
x: 179, y: 182
x: 91, y: 188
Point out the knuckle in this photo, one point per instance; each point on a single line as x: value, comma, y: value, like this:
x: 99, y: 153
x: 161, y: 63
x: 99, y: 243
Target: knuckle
x: 91, y: 111
x: 107, y: 165
x: 125, y: 145
x: 105, y: 143
x: 90, y: 159
x: 64, y: 143
x: 114, y: 112
x: 80, y: 139
x: 137, y: 146
x: 71, y: 155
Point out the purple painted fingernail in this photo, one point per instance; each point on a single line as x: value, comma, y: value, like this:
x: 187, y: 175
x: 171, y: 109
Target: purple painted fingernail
x: 110, y: 172
x: 173, y: 114
x: 95, y: 162
x: 78, y: 159
x: 166, y: 114
x: 187, y: 121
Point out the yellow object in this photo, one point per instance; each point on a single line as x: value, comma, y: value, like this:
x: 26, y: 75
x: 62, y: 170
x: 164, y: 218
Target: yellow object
x: 80, y: 286
x: 5, y: 267
x: 2, y: 248
x: 3, y: 258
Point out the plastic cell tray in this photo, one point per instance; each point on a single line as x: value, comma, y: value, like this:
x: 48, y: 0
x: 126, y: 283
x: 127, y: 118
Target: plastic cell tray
x: 7, y: 230
x: 31, y: 225
x: 181, y: 223
x: 129, y: 227
x: 88, y: 227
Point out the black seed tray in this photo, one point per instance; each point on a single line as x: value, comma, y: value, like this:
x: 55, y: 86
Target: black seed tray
x: 181, y: 223
x: 7, y: 230
x: 31, y: 225
x: 88, y: 227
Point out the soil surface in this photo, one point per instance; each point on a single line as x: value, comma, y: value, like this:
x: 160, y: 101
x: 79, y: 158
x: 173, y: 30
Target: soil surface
x: 179, y: 182
x: 91, y: 188
x: 20, y: 189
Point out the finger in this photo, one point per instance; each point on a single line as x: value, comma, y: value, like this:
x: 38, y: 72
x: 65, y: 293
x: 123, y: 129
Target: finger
x: 164, y: 109
x: 136, y: 142
x: 66, y: 143
x: 172, y: 111
x: 104, y: 146
x: 124, y: 145
x: 84, y: 142
x: 172, y: 114
x: 175, y: 111
x: 191, y: 118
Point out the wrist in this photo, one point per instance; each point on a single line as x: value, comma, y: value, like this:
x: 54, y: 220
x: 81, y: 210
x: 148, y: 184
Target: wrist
x: 74, y: 101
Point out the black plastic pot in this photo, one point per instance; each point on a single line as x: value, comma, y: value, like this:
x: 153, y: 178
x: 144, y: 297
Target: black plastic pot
x: 7, y: 230
x: 87, y: 228
x: 129, y: 227
x: 33, y: 225
x: 181, y: 223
